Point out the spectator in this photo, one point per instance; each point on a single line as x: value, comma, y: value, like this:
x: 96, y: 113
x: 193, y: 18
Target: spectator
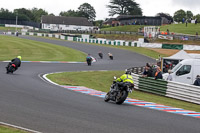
x: 197, y: 81
x: 169, y: 78
x: 147, y: 72
x: 158, y: 74
x: 197, y: 35
x: 195, y: 21
x: 167, y: 31
x: 186, y: 22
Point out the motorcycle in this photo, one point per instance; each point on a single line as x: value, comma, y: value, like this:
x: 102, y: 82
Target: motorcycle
x: 119, y: 93
x: 89, y: 61
x: 101, y: 55
x: 10, y: 68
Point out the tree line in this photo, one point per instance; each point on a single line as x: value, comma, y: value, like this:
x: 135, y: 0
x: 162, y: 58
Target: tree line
x: 116, y: 7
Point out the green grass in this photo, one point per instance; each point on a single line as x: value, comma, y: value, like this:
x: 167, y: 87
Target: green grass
x: 5, y: 129
x: 9, y: 28
x: 102, y: 81
x: 127, y: 28
x: 140, y: 50
x: 181, y: 28
x: 125, y: 37
x: 11, y: 47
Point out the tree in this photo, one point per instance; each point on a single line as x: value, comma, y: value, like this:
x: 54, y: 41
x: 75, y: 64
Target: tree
x: 197, y: 17
x: 124, y: 7
x: 166, y: 15
x: 179, y: 15
x: 38, y: 14
x: 51, y: 14
x: 6, y: 14
x: 70, y: 13
x: 24, y: 13
x: 87, y: 11
x: 189, y: 14
x: 98, y: 23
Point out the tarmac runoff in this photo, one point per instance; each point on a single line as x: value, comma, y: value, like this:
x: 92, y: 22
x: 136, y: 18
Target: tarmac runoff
x: 135, y: 102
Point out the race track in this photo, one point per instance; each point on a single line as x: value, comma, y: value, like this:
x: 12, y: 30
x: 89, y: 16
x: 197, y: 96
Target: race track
x: 28, y: 101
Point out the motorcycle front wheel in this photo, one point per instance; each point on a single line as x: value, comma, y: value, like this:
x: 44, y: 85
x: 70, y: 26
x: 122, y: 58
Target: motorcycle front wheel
x: 121, y: 97
x: 107, y: 97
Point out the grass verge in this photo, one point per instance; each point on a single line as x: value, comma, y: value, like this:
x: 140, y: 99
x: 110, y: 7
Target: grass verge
x: 95, y: 81
x: 5, y: 129
x: 127, y: 28
x: 140, y: 50
x: 10, y: 47
x: 176, y: 28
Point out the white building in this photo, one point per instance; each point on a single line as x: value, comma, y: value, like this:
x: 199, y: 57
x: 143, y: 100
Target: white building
x: 56, y: 23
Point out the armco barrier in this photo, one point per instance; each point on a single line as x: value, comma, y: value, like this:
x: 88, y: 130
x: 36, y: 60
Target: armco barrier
x: 180, y: 91
x: 151, y: 85
x: 189, y: 93
x: 136, y: 80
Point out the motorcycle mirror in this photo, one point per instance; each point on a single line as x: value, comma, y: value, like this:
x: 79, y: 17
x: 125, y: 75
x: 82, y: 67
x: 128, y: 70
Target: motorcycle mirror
x: 115, y: 77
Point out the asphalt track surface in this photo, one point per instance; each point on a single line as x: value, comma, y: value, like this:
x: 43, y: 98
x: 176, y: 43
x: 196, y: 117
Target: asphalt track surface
x: 28, y: 101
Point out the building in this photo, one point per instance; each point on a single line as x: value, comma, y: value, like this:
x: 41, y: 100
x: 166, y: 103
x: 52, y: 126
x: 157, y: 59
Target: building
x: 139, y: 20
x: 59, y: 23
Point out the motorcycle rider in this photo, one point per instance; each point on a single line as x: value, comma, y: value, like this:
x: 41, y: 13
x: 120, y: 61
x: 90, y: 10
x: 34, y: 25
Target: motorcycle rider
x: 89, y: 60
x: 16, y: 62
x: 100, y: 55
x: 122, y: 80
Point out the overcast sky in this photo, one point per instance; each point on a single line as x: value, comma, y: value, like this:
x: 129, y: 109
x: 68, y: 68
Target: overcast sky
x: 149, y: 7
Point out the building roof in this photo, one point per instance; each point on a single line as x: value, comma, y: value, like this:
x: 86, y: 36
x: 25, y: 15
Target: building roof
x: 127, y: 17
x: 109, y: 21
x: 80, y: 21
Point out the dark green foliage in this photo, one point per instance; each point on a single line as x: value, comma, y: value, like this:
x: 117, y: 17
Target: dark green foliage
x: 124, y: 7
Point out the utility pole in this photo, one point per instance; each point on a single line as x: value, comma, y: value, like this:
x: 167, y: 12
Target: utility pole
x: 16, y: 20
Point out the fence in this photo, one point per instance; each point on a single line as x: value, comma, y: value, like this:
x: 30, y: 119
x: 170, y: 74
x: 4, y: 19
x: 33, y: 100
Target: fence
x: 19, y: 22
x: 117, y: 42
x: 185, y: 92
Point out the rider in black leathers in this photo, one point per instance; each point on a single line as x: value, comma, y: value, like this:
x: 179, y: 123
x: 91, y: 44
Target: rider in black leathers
x: 16, y: 62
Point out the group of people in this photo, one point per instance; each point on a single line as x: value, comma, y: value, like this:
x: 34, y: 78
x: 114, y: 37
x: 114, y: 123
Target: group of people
x: 89, y: 58
x: 153, y: 71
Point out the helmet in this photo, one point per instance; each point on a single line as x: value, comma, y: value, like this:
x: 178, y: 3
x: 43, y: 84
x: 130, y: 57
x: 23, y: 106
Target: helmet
x: 19, y: 57
x: 128, y: 72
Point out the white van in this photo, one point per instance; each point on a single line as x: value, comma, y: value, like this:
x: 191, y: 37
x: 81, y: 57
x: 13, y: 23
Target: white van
x: 185, y: 72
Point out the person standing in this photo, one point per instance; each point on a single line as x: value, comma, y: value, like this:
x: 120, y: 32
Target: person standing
x: 169, y: 78
x: 158, y: 74
x: 197, y: 81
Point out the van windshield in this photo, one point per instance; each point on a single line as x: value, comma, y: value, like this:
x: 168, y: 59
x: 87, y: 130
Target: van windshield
x: 176, y: 67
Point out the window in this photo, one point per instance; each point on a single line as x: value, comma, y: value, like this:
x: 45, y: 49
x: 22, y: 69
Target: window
x: 176, y: 67
x: 184, y: 70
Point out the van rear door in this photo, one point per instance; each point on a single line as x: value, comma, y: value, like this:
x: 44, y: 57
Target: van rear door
x: 184, y: 74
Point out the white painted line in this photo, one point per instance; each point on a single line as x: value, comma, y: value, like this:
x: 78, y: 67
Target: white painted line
x: 21, y: 128
x: 45, y: 79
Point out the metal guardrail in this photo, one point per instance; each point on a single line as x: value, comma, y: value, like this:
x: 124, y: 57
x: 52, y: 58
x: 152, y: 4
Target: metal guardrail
x: 180, y: 91
x: 185, y: 92
x: 136, y: 70
x: 151, y: 85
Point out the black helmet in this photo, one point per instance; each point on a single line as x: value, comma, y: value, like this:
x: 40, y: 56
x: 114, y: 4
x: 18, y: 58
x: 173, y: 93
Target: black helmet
x: 128, y: 72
